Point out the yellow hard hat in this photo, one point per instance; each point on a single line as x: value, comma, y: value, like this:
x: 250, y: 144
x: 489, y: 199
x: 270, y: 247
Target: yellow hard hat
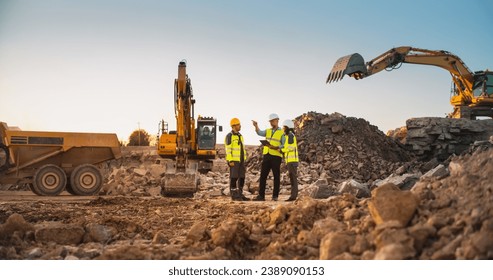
x: 234, y: 121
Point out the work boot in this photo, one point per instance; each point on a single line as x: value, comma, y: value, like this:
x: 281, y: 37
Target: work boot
x: 235, y: 195
x: 291, y: 199
x: 274, y: 198
x: 242, y: 196
x: 259, y: 198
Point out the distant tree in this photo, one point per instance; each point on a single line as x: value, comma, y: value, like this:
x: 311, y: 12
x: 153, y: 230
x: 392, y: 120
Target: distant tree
x: 133, y: 139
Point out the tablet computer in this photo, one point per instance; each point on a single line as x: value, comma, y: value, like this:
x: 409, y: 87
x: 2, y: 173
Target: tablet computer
x: 264, y: 142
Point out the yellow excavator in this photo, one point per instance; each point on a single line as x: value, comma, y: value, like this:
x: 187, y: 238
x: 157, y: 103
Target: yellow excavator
x: 191, y: 147
x: 472, y: 92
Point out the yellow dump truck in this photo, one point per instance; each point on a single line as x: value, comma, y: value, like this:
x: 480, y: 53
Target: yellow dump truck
x: 51, y: 162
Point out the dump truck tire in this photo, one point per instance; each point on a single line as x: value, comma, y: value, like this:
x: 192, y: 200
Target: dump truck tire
x: 31, y: 187
x: 86, y: 179
x: 4, y: 157
x: 49, y: 180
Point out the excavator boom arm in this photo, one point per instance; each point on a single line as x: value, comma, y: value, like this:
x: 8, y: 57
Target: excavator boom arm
x: 185, y: 122
x: 354, y: 66
x: 443, y: 59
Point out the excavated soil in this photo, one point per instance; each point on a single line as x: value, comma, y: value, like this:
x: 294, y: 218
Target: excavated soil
x: 445, y: 214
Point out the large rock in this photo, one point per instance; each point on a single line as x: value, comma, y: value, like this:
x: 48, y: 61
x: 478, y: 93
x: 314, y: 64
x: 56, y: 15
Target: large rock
x: 278, y: 215
x: 59, y: 233
x: 442, y: 137
x: 355, y: 188
x: 99, y: 233
x: 224, y: 234
x: 404, y: 181
x: 389, y: 203
x: 197, y: 231
x: 394, y: 251
x: 14, y: 223
x: 334, y: 244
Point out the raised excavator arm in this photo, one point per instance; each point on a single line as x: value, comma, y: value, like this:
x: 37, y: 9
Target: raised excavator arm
x: 465, y: 81
x: 184, y: 113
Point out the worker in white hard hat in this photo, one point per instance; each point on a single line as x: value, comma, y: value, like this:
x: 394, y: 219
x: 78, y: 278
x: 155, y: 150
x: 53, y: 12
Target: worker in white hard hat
x: 290, y: 153
x: 272, y: 157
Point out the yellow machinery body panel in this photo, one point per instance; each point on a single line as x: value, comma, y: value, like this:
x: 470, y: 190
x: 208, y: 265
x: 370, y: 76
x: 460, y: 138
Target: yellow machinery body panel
x: 29, y: 150
x: 167, y: 145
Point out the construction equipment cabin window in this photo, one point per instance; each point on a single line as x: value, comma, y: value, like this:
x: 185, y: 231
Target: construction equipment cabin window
x: 489, y: 84
x: 483, y: 85
x: 207, y: 136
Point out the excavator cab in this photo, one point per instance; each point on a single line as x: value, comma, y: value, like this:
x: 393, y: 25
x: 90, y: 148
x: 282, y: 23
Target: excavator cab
x: 206, y: 136
x: 483, y: 84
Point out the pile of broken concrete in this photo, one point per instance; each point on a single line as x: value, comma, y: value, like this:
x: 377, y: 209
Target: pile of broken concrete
x: 441, y: 138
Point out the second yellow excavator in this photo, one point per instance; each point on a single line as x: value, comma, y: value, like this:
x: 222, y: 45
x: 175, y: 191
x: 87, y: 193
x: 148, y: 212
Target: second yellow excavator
x: 472, y: 92
x: 192, y: 148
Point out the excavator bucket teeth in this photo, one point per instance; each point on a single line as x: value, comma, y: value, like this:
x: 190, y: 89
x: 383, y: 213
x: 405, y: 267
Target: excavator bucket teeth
x: 180, y: 182
x: 352, y: 65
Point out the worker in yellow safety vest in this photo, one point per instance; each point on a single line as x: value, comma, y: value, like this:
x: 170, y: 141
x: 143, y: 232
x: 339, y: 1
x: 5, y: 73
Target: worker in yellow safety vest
x: 272, y: 157
x: 290, y: 152
x: 236, y: 156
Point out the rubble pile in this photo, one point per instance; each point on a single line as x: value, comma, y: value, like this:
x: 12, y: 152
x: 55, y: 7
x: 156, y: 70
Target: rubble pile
x: 447, y: 218
x: 442, y: 137
x: 336, y: 148
x: 137, y: 173
x: 347, y: 147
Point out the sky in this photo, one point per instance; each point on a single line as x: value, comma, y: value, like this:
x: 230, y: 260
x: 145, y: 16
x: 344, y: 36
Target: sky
x: 110, y: 65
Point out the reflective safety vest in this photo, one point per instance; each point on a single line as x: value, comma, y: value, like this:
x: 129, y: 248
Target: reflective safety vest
x: 275, y: 140
x: 290, y: 149
x: 233, y: 144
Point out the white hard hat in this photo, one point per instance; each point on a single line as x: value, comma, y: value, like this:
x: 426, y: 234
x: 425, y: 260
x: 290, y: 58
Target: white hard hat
x: 288, y: 123
x: 273, y: 116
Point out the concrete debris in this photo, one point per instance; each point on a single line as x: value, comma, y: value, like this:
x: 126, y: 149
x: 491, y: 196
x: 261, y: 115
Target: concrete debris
x: 442, y: 137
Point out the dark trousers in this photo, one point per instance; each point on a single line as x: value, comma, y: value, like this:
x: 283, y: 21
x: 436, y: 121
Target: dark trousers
x: 236, y: 183
x: 270, y: 162
x: 237, y: 177
x: 293, y: 178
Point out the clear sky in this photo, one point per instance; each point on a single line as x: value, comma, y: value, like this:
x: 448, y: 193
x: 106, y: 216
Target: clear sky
x: 109, y: 65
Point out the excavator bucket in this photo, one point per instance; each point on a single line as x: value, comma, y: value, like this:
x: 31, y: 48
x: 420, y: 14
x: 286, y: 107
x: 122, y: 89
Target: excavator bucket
x: 352, y: 65
x: 180, y: 182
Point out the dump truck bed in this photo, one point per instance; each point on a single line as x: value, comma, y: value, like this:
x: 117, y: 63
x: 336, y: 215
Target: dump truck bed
x: 67, y: 149
x: 29, y: 151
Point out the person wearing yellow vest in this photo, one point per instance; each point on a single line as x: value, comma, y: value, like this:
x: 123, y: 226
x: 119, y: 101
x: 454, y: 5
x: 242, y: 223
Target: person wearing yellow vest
x: 290, y: 152
x: 272, y: 157
x: 236, y: 156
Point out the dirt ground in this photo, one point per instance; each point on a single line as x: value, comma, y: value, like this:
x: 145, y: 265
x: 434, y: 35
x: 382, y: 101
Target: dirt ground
x: 133, y: 219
